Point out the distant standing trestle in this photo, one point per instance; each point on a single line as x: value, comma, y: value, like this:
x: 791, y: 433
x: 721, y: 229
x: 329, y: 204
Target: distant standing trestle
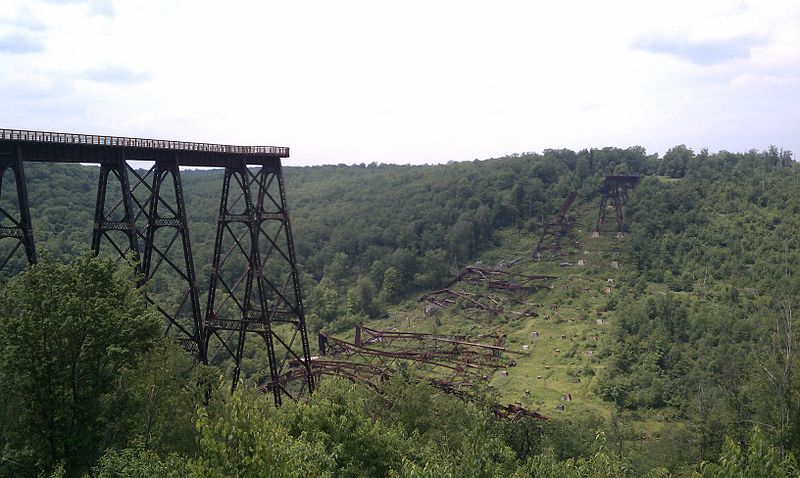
x: 615, y: 190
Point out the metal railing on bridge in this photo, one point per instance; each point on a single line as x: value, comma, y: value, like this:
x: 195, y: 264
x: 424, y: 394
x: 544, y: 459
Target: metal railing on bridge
x: 121, y: 141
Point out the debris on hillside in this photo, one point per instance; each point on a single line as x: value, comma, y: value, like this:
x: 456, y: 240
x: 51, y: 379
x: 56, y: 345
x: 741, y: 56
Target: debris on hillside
x: 555, y: 229
x: 515, y: 411
x: 500, y: 279
x: 453, y: 364
x: 614, y: 190
x: 444, y: 297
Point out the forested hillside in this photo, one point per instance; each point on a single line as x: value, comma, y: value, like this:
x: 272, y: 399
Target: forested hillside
x: 679, y: 359
x: 705, y: 327
x: 356, y: 222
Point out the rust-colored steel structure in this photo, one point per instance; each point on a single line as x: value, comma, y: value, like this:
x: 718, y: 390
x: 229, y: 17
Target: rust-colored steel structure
x: 141, y: 216
x: 449, y: 363
x: 265, y: 298
x: 615, y: 190
x: 453, y: 364
x: 496, y: 278
x: 456, y: 349
x: 556, y: 228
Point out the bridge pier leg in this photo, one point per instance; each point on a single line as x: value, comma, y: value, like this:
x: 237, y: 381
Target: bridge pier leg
x: 20, y: 228
x: 276, y: 210
x: 265, y: 299
x: 601, y: 215
x: 615, y: 189
x: 166, y: 218
x: 158, y: 202
x: 117, y: 215
x: 618, y: 201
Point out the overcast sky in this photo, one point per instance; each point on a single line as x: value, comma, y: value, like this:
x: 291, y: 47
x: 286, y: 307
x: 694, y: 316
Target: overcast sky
x: 406, y: 81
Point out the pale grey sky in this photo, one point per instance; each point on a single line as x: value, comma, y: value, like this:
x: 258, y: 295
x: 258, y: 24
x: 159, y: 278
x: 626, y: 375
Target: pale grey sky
x: 407, y: 82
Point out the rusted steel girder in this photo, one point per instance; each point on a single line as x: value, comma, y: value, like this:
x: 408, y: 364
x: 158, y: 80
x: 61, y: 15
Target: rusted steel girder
x: 431, y: 361
x: 388, y: 336
x: 454, y: 349
x: 372, y: 376
x: 496, y: 278
x: 514, y: 411
x: 357, y: 372
x: 449, y: 297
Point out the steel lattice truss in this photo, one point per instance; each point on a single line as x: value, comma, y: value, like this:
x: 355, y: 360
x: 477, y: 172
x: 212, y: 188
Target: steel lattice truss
x: 556, y: 228
x: 454, y: 365
x: 615, y: 190
x: 264, y: 299
x: 445, y: 363
x: 453, y: 350
x: 140, y: 216
x: 444, y: 297
x: 145, y: 222
x: 495, y: 278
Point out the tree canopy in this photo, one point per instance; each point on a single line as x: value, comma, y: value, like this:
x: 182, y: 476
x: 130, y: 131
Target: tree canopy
x: 67, y: 332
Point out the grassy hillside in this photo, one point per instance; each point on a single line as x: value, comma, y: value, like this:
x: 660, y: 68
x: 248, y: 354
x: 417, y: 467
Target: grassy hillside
x: 563, y: 349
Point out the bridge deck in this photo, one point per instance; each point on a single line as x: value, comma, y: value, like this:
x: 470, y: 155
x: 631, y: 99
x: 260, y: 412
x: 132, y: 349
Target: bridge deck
x: 88, y: 148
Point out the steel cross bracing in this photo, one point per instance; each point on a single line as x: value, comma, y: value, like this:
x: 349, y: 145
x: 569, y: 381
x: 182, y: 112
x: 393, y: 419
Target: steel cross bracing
x: 372, y: 366
x: 452, y: 349
x: 615, y: 190
x: 557, y: 227
x: 144, y: 222
x: 496, y: 278
x: 140, y: 216
x: 449, y: 363
x: 264, y: 298
x: 451, y: 359
x: 114, y: 217
x: 454, y: 365
x: 15, y: 218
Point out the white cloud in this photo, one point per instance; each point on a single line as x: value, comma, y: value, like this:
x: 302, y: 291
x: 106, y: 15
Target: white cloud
x: 361, y: 81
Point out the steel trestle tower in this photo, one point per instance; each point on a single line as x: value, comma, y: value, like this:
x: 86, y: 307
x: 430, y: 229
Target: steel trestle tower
x: 615, y: 189
x: 141, y: 216
x: 265, y: 298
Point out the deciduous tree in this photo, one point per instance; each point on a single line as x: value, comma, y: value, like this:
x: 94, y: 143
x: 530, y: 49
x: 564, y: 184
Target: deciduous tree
x: 66, y: 332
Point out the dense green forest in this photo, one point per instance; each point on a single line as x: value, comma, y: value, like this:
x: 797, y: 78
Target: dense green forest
x: 701, y: 337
